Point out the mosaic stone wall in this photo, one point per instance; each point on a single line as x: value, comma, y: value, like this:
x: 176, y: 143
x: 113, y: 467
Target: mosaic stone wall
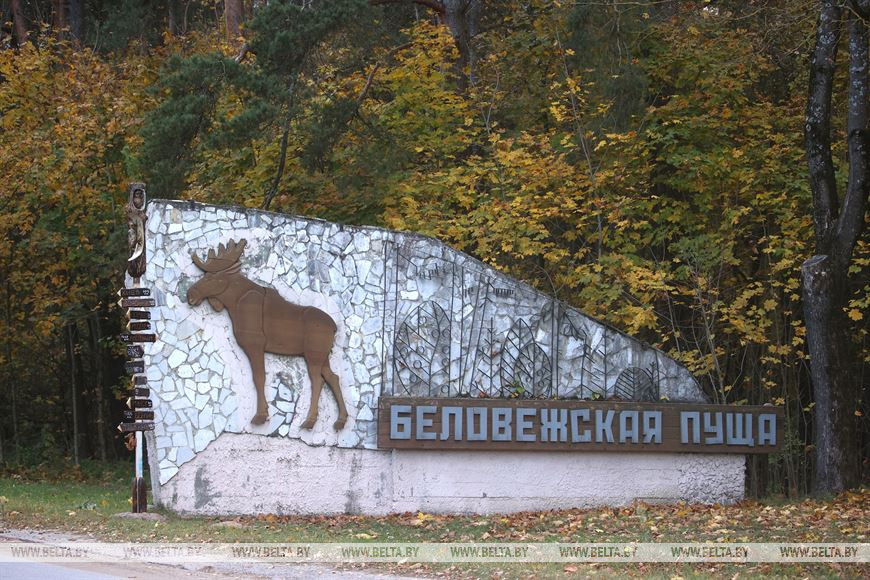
x: 414, y: 317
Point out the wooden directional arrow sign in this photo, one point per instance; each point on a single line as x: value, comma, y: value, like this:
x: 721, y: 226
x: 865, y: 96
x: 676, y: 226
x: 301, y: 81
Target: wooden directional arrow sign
x: 135, y: 351
x: 142, y: 392
x: 141, y: 325
x: 128, y: 292
x: 139, y: 314
x: 140, y: 380
x: 134, y: 367
x: 138, y: 416
x: 139, y: 403
x: 130, y: 416
x: 131, y: 427
x: 136, y: 302
x: 130, y: 337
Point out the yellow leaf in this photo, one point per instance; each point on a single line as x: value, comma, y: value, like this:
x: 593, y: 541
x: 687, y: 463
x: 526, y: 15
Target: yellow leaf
x: 856, y: 314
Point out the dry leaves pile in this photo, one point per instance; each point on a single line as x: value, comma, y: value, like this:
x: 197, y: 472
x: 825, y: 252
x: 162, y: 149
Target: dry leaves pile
x: 846, y: 518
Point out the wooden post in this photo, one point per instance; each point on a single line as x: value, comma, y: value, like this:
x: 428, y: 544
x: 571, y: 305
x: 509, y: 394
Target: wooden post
x: 136, y: 264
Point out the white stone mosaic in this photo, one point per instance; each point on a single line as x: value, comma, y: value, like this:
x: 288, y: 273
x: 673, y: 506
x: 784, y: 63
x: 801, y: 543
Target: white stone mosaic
x: 414, y: 317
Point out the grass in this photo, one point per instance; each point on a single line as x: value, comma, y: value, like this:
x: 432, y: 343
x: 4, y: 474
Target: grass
x: 85, y: 501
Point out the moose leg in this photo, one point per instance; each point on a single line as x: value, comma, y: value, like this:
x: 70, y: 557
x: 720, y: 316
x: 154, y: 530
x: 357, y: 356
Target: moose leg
x: 316, y: 386
x: 258, y: 369
x: 332, y: 380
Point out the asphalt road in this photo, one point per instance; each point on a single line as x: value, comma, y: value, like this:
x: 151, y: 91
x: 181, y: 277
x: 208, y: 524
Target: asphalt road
x: 144, y: 570
x: 38, y: 571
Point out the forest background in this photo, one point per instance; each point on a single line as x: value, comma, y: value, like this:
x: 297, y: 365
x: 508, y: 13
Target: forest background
x: 641, y: 160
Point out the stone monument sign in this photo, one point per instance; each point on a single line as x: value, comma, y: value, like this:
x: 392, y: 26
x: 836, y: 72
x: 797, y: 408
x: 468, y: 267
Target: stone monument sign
x: 455, y: 388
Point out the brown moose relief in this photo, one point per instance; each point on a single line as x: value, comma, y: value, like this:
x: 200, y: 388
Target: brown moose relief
x: 264, y: 322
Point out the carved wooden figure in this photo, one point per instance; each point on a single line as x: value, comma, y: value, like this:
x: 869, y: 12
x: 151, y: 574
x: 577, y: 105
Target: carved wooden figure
x: 136, y: 217
x: 264, y: 322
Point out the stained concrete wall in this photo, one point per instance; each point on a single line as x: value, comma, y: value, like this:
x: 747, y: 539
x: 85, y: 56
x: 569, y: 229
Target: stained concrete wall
x: 249, y: 474
x: 415, y: 318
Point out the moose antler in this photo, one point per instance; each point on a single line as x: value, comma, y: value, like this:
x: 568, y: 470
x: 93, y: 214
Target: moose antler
x: 226, y: 257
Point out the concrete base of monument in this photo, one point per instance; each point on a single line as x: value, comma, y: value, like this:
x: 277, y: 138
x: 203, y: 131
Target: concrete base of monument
x: 252, y: 474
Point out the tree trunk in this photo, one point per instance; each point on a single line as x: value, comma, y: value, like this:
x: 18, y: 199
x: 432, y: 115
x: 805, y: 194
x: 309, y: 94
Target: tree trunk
x: 172, y: 17
x: 58, y: 17
x: 233, y: 17
x: 77, y: 19
x: 97, y: 370
x: 20, y: 25
x: 70, y: 348
x: 11, y: 382
x: 825, y: 285
x: 461, y: 17
x: 83, y: 396
x: 835, y: 433
x: 15, y: 433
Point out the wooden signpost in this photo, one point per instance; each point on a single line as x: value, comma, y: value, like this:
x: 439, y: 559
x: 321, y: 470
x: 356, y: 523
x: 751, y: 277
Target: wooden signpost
x: 134, y: 292
x: 135, y: 351
x: 140, y: 503
x: 136, y: 302
x: 134, y: 337
x: 130, y: 416
x: 136, y: 421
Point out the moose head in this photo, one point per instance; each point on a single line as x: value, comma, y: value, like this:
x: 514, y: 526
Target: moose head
x: 220, y: 269
x: 264, y: 322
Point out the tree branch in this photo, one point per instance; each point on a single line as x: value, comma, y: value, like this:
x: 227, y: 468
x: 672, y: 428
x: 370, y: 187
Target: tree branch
x: 368, y: 85
x: 851, y: 220
x: 861, y: 8
x: 433, y: 4
x: 818, y: 125
x: 282, y: 153
x: 243, y: 52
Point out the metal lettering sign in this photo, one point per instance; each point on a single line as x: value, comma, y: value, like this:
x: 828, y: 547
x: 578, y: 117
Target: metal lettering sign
x: 133, y: 427
x: 133, y: 292
x: 571, y: 425
x: 135, y: 351
x: 131, y: 337
x: 136, y: 302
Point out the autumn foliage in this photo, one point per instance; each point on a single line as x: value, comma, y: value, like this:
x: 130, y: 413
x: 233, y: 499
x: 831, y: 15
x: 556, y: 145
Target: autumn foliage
x: 642, y: 161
